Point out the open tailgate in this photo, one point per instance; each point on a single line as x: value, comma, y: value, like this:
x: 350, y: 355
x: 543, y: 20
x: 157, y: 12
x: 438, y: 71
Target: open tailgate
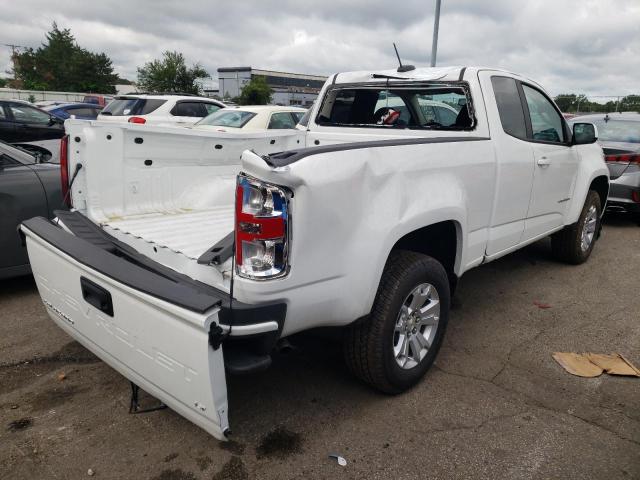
x: 150, y: 328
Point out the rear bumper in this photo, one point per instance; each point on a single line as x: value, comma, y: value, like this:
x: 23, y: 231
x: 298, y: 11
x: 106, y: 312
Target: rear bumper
x: 624, y: 192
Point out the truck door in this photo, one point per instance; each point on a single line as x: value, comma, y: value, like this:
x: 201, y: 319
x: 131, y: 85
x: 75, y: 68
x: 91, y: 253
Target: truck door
x: 515, y: 161
x: 556, y: 163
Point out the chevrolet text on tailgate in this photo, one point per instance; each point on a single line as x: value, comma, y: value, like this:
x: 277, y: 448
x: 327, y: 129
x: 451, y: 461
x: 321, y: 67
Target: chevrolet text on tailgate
x: 187, y: 257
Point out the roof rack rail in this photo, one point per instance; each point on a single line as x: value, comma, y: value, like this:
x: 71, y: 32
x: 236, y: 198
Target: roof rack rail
x: 182, y: 94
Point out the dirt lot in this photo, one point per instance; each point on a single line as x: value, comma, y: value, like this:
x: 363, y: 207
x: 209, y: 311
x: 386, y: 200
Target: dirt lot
x: 495, y: 405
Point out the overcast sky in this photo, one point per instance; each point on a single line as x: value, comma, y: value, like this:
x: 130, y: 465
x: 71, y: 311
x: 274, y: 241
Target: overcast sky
x: 583, y: 46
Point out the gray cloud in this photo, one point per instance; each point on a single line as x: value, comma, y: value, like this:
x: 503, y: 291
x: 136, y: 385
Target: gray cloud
x: 587, y: 46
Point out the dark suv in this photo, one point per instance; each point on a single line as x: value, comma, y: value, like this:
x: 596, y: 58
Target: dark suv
x: 22, y: 122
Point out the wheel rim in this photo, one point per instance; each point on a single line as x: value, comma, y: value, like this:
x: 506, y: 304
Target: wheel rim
x: 416, y: 325
x: 589, y: 228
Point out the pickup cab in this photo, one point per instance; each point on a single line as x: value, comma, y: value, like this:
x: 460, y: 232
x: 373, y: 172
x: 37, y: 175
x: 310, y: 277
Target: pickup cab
x: 185, y: 258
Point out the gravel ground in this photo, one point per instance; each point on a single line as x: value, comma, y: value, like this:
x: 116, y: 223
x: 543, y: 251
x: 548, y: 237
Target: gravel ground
x: 494, y: 406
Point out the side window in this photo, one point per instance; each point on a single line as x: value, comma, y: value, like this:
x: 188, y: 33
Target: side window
x: 509, y: 106
x: 149, y: 105
x: 3, y: 116
x: 546, y: 122
x: 84, y: 111
x: 189, y: 109
x: 210, y: 108
x: 297, y: 116
x: 280, y: 120
x: 24, y: 113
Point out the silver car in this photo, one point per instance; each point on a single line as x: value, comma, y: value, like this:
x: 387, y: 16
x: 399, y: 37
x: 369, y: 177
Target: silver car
x: 619, y: 135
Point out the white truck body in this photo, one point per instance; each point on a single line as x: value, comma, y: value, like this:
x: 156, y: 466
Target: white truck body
x: 356, y: 193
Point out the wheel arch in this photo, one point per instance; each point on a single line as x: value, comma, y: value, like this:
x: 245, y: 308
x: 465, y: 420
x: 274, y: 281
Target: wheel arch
x: 441, y: 241
x: 601, y: 186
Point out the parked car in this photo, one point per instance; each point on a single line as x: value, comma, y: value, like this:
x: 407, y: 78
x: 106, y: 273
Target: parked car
x: 22, y: 122
x: 258, y: 117
x: 619, y: 135
x: 29, y: 186
x: 159, y: 109
x: 100, y: 100
x: 180, y: 263
x: 82, y: 111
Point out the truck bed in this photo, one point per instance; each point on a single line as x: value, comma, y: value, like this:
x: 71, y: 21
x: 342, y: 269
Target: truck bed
x: 188, y: 233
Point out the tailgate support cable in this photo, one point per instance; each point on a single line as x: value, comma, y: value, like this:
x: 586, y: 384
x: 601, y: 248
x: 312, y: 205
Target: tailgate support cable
x: 134, y: 405
x: 73, y: 177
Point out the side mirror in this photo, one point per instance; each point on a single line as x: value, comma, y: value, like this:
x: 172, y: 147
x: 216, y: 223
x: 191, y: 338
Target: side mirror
x: 584, y: 133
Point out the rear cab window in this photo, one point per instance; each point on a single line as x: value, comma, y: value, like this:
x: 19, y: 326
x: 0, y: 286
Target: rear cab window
x: 428, y: 106
x: 132, y: 106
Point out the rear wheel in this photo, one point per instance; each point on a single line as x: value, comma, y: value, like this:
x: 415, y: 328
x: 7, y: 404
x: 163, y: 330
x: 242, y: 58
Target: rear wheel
x: 575, y: 243
x: 395, y: 345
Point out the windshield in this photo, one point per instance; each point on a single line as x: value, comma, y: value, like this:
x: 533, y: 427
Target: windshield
x: 435, y: 106
x: 227, y: 118
x: 131, y: 106
x: 618, y: 131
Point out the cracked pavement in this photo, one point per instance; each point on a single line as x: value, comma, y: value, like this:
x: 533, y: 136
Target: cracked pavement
x: 495, y: 405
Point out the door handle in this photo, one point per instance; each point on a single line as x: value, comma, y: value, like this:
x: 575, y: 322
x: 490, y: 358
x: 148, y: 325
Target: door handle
x: 544, y: 162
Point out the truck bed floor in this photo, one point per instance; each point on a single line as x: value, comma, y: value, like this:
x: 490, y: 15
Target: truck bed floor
x: 189, y: 233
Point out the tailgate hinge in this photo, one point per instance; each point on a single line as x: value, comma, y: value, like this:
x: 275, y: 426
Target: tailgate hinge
x: 216, y: 336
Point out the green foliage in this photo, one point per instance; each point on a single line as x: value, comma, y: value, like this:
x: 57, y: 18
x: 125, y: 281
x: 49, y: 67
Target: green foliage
x: 3, y: 82
x: 256, y: 92
x: 572, y: 103
x: 32, y: 98
x: 61, y: 64
x: 170, y: 74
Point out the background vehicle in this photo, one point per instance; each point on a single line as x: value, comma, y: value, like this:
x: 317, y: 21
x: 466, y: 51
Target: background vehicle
x: 29, y: 185
x: 22, y: 122
x: 367, y: 225
x: 259, y: 117
x: 159, y: 109
x: 82, y: 111
x: 619, y: 135
x: 100, y: 100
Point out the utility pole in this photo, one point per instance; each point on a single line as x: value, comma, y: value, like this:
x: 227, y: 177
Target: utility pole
x: 14, y: 48
x: 434, y: 43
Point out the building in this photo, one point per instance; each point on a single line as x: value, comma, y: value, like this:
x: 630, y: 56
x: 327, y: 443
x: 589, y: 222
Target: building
x: 288, y: 88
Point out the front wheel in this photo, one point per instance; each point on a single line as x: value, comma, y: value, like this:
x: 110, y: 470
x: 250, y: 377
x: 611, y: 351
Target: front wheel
x: 575, y: 243
x: 395, y: 345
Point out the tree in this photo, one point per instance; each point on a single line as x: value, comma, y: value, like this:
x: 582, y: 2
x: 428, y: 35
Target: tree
x: 170, y: 74
x: 3, y: 82
x: 61, y: 64
x: 256, y: 92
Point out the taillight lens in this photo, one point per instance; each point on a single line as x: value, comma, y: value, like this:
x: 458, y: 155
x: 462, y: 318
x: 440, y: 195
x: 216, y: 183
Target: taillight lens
x: 261, y: 229
x: 139, y: 120
x: 623, y: 158
x: 64, y: 170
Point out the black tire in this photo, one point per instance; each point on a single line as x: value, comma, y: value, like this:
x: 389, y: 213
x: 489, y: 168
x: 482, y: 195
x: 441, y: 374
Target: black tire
x: 368, y: 345
x: 566, y: 244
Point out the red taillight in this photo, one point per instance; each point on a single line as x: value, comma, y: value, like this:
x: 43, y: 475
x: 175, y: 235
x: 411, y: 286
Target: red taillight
x: 64, y: 170
x: 139, y: 120
x: 261, y: 229
x: 635, y: 196
x: 623, y: 158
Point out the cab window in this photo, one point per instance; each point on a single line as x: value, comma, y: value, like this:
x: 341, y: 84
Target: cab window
x: 546, y: 122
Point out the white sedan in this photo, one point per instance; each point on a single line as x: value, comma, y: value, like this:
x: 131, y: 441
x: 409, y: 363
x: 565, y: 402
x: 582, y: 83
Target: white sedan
x: 252, y: 118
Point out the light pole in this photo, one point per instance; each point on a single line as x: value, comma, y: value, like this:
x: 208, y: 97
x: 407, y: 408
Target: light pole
x: 434, y: 43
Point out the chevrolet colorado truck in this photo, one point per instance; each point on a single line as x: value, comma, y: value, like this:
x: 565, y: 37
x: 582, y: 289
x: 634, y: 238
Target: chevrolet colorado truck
x: 185, y: 258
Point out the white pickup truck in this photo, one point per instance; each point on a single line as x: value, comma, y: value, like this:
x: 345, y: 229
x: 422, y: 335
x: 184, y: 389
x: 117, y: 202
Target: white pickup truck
x: 184, y: 260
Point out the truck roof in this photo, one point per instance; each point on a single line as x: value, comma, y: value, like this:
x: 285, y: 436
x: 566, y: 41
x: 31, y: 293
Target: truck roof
x: 424, y: 74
